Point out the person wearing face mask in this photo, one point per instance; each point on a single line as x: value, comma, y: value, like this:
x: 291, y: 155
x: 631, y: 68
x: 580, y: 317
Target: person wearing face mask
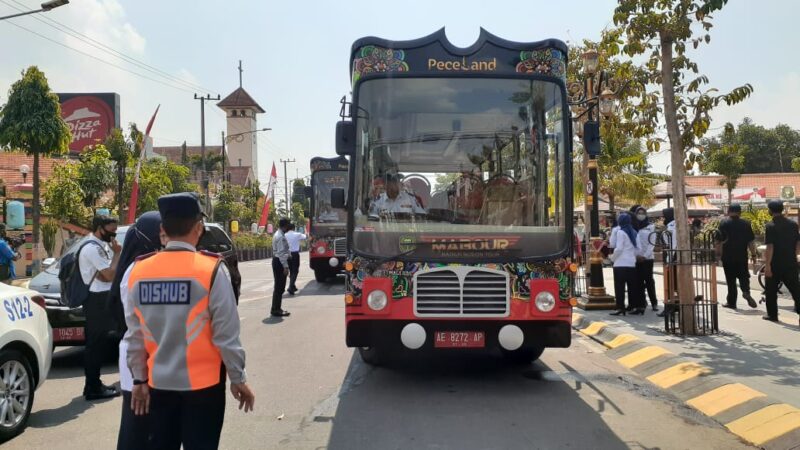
x: 734, y: 237
x: 97, y: 259
x: 644, y: 264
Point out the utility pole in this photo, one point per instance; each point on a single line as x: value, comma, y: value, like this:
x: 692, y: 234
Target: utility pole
x: 286, y: 185
x: 204, y: 172
x: 223, y: 158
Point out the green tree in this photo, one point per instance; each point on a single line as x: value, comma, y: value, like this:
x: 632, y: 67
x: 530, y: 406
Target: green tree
x: 121, y: 154
x: 31, y: 121
x: 95, y: 174
x: 158, y: 177
x: 662, y: 30
x: 725, y: 158
x: 63, y: 196
x: 622, y: 168
x: 767, y: 150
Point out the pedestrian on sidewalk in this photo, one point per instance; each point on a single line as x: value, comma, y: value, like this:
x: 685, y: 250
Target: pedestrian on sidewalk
x: 142, y: 238
x: 783, y: 245
x: 97, y: 260
x: 646, y: 236
x: 294, y: 238
x: 183, y: 334
x: 280, y: 267
x: 733, y: 239
x: 625, y: 274
x: 669, y: 242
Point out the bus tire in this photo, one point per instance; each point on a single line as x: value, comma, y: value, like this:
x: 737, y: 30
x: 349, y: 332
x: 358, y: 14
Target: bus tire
x: 321, y: 275
x: 372, y: 355
x: 525, y: 355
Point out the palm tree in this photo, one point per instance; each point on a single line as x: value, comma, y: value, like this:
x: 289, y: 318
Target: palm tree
x: 622, y: 168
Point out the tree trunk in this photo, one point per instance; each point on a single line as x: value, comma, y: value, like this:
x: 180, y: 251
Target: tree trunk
x: 684, y: 268
x: 611, y: 203
x: 730, y: 197
x: 35, y: 264
x: 120, y: 187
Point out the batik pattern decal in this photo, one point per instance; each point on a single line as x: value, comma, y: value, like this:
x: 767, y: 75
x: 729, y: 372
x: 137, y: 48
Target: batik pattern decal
x: 372, y: 59
x: 546, y: 62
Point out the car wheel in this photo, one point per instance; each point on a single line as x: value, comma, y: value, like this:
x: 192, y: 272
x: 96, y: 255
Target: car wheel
x: 16, y: 393
x: 372, y: 355
x: 321, y: 275
x: 525, y: 355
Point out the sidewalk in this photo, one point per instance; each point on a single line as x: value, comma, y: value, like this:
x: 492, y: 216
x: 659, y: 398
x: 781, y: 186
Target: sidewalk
x: 760, y: 354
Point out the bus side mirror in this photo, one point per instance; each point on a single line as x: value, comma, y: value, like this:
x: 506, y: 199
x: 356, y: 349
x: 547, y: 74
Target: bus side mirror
x: 345, y: 138
x: 337, y: 198
x: 308, y: 191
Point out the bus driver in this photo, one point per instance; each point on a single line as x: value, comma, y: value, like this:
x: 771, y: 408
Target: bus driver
x: 395, y: 200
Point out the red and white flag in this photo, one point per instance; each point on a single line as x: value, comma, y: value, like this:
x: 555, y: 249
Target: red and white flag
x: 273, y: 178
x: 135, y: 188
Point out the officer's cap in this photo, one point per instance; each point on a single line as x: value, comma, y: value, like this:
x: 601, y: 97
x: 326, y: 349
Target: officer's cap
x: 184, y: 205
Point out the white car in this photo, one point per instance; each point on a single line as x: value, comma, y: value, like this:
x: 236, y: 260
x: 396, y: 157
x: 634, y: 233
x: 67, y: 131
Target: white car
x: 26, y: 351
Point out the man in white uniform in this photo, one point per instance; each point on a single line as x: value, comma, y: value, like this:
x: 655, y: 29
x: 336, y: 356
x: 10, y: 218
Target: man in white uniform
x: 97, y: 259
x: 394, y: 200
x: 294, y: 238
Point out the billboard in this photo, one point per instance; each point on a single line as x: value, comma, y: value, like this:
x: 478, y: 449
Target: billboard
x: 90, y: 117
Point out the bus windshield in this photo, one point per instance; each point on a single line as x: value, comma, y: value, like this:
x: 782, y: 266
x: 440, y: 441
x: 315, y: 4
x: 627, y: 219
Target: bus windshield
x: 475, y: 166
x: 325, y: 217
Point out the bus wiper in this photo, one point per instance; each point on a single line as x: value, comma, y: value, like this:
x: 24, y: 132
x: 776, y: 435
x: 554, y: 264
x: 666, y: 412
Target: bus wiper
x: 375, y: 264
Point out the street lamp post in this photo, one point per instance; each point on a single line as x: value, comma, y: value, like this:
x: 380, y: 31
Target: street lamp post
x: 590, y: 101
x: 46, y: 6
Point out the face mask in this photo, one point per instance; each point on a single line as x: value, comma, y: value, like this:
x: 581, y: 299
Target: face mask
x: 108, y: 236
x: 641, y: 217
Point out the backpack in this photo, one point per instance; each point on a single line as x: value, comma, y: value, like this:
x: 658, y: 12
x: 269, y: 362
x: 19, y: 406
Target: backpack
x: 73, y: 290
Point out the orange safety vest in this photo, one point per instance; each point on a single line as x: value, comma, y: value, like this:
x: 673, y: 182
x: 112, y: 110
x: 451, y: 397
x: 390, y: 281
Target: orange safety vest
x: 170, y: 294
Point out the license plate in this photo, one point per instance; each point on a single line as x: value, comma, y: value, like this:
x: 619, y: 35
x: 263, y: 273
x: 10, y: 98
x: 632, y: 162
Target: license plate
x: 459, y: 339
x: 69, y: 334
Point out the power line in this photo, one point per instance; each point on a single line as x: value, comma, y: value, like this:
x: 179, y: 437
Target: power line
x: 109, y: 50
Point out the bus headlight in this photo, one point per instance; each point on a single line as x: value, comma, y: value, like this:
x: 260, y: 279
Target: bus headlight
x: 321, y: 249
x: 545, y: 301
x: 377, y: 300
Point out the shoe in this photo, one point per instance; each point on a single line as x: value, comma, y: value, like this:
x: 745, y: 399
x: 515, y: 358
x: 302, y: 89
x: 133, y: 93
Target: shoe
x: 292, y: 291
x: 100, y: 392
x: 619, y: 312
x: 751, y: 302
x: 629, y: 308
x: 725, y: 305
x: 638, y: 312
x: 280, y: 313
x: 771, y: 319
x: 661, y: 314
x: 655, y: 308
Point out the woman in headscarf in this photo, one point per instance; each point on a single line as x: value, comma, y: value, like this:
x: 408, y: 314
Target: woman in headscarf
x: 142, y: 238
x: 625, y: 274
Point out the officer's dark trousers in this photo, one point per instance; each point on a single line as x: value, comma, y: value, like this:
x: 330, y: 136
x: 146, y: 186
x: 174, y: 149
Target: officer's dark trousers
x: 280, y: 285
x: 628, y: 277
x: 788, y: 276
x: 645, y: 271
x: 191, y: 418
x: 134, y: 430
x: 736, y: 270
x: 294, y: 270
x: 96, y: 332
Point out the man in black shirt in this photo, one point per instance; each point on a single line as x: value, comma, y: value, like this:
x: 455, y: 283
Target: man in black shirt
x: 783, y: 243
x: 733, y: 239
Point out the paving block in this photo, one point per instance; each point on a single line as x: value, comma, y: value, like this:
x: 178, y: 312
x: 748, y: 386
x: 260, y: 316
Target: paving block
x: 678, y: 373
x: 722, y: 398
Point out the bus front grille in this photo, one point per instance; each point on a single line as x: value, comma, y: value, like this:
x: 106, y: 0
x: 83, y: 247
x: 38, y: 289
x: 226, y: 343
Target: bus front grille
x: 461, y: 291
x: 340, y: 247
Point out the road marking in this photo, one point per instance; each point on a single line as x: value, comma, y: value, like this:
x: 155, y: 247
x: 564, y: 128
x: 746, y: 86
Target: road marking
x: 594, y: 328
x: 767, y: 423
x: 620, y: 340
x: 643, y: 355
x: 678, y: 374
x: 723, y: 398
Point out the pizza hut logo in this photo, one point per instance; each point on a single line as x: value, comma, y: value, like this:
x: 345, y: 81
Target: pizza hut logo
x: 90, y: 120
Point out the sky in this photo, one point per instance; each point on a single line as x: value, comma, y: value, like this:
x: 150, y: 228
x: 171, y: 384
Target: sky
x: 296, y: 57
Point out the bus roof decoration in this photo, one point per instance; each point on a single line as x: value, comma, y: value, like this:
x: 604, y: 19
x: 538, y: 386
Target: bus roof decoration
x: 436, y: 55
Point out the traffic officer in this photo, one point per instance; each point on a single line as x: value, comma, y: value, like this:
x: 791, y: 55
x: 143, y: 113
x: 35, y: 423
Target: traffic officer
x: 183, y: 326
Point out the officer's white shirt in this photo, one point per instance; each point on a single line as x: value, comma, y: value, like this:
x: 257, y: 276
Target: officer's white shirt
x: 294, y: 238
x: 403, y: 203
x: 92, y: 259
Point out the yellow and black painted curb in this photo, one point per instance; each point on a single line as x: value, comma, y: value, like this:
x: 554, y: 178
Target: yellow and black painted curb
x: 746, y: 412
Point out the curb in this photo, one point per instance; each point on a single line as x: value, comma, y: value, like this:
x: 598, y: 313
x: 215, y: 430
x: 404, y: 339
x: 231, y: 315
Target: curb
x: 745, y: 412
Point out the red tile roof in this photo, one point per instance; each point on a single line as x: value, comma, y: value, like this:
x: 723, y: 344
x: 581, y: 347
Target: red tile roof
x: 772, y: 182
x: 174, y: 154
x: 11, y: 161
x: 240, y: 175
x: 238, y: 98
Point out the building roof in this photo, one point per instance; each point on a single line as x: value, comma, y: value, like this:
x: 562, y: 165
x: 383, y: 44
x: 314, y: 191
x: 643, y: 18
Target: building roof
x: 240, y: 175
x: 239, y: 98
x: 772, y: 183
x: 11, y: 161
x: 174, y: 154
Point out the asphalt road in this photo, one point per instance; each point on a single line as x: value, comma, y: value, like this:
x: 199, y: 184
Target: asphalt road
x: 313, y: 392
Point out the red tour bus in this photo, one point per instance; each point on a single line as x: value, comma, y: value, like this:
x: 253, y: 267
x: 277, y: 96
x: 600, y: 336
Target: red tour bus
x: 327, y: 225
x: 460, y: 196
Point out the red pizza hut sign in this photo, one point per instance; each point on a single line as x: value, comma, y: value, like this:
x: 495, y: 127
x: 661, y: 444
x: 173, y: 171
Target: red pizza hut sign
x: 90, y: 117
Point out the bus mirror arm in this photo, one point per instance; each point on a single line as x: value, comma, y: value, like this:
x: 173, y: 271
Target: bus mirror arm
x: 337, y: 198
